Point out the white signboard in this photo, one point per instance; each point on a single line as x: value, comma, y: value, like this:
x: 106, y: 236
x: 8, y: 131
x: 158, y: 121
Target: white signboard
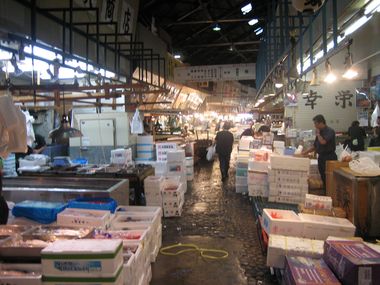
x: 215, y: 73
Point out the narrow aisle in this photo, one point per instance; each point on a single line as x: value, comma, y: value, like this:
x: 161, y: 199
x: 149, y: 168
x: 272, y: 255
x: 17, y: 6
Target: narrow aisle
x: 214, y: 217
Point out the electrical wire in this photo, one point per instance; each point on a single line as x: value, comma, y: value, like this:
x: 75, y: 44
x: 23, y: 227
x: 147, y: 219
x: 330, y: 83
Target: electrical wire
x: 204, y: 252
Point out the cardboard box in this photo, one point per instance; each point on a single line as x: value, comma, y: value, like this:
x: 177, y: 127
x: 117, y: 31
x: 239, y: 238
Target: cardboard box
x: 318, y: 202
x: 289, y: 163
x: 82, y: 258
x: 320, y: 227
x: 353, y: 262
x: 308, y: 271
x: 282, y: 222
x: 279, y: 246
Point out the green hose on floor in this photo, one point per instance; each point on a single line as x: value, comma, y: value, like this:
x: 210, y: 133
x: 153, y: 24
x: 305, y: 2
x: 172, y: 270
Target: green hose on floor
x: 204, y: 252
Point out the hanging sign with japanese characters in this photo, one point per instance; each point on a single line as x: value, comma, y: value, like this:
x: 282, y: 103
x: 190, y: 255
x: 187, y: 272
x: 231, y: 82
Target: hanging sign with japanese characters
x: 109, y: 10
x: 336, y: 101
x: 126, y: 18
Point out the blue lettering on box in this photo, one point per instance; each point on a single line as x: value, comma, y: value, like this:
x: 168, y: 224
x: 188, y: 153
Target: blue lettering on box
x: 76, y: 266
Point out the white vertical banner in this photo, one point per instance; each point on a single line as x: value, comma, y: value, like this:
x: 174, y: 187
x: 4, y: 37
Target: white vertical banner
x: 109, y: 10
x: 126, y: 18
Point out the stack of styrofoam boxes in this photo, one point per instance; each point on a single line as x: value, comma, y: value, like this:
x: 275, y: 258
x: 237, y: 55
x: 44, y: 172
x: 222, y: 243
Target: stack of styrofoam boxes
x: 278, y: 147
x: 145, y: 148
x: 137, y: 217
x: 258, y: 184
x: 318, y: 202
x: 173, y: 196
x: 85, y: 261
x: 153, y: 186
x: 190, y: 168
x: 9, y: 166
x: 241, y: 182
x: 288, y: 179
x: 176, y: 165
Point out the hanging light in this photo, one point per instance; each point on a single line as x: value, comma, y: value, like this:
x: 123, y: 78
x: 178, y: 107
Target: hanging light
x: 216, y: 28
x: 350, y: 72
x: 246, y: 9
x: 253, y: 22
x: 330, y: 76
x: 64, y: 131
x: 314, y: 80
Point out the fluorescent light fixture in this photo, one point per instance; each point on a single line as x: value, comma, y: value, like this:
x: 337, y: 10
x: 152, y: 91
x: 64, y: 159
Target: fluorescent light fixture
x: 246, y: 9
x: 278, y: 85
x: 350, y: 74
x: 356, y: 25
x: 372, y: 7
x: 259, y: 31
x: 216, y: 28
x: 177, y: 56
x: 43, y: 53
x: 253, y: 22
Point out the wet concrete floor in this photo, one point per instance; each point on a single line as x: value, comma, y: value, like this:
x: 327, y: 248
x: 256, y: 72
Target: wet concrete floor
x: 216, y: 217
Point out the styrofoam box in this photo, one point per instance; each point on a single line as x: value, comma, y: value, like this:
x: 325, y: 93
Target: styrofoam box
x: 117, y: 280
x: 173, y: 212
x: 173, y: 202
x: 176, y: 155
x: 242, y: 172
x: 122, y: 221
x: 288, y: 200
x: 160, y: 167
x: 155, y: 182
x: 318, y: 202
x: 282, y: 222
x: 258, y: 190
x: 241, y: 188
x: 320, y: 227
x: 289, y: 163
x: 241, y: 180
x: 259, y: 166
x: 128, y: 267
x: 157, y: 244
x: 278, y: 144
x: 133, y: 269
x: 156, y: 211
x: 173, y: 193
x: 279, y: 246
x: 145, y: 147
x: 257, y: 178
x: 172, y: 182
x: 82, y: 258
x: 21, y: 279
x: 189, y: 161
x: 84, y: 218
x: 141, y: 154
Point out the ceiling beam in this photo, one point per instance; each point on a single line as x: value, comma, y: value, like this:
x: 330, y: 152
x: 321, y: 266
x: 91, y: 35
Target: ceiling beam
x: 223, y: 44
x: 210, y: 22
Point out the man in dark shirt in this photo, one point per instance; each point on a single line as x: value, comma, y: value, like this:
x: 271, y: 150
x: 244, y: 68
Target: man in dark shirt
x: 324, y: 145
x: 357, y: 135
x: 224, y: 141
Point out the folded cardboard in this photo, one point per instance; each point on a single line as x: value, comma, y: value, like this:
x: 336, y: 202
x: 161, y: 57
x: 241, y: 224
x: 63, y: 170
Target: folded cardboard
x: 280, y: 246
x: 308, y: 271
x: 320, y: 227
x: 282, y: 222
x: 353, y: 262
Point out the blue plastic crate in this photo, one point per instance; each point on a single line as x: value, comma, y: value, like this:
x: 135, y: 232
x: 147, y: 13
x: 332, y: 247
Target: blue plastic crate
x: 39, y: 211
x: 105, y: 204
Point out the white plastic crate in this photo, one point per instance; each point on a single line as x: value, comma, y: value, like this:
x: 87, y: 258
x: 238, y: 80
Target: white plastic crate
x: 282, y: 222
x: 84, y: 218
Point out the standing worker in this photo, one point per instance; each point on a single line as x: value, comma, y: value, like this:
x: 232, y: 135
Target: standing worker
x: 357, y: 135
x: 324, y: 145
x: 224, y: 141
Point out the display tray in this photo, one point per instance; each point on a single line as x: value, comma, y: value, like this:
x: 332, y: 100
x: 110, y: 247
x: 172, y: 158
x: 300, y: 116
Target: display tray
x: 12, y: 229
x: 27, y: 246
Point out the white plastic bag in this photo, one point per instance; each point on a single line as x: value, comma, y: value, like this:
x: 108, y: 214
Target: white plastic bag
x: 365, y: 166
x: 345, y: 154
x: 210, y: 153
x: 374, y: 116
x: 137, y: 126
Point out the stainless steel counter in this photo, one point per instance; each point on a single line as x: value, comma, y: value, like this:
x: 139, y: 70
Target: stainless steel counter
x: 62, y: 189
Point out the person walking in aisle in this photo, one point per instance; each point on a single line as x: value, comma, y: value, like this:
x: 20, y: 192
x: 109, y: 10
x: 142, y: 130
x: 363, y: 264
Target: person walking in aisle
x: 224, y: 141
x: 324, y: 145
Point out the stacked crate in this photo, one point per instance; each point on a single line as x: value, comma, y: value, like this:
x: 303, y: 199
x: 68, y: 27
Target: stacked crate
x: 145, y: 148
x: 288, y: 179
x: 241, y: 182
x: 153, y: 186
x: 189, y: 168
x: 176, y: 165
x: 173, y: 196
